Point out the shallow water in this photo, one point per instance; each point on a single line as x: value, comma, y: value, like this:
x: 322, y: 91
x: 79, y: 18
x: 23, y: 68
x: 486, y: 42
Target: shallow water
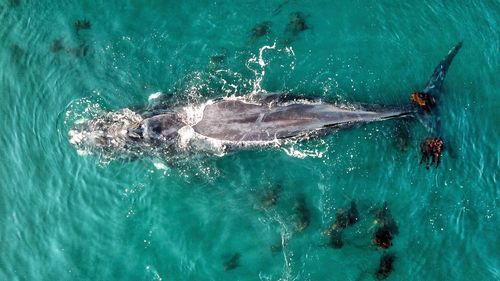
x: 71, y: 217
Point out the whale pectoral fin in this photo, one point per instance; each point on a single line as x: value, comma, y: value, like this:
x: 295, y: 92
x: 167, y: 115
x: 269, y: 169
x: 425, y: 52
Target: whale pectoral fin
x: 435, y: 84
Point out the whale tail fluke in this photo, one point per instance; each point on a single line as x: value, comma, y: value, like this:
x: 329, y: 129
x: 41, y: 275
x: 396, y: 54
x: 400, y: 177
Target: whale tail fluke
x: 432, y: 147
x: 435, y: 84
x: 426, y: 99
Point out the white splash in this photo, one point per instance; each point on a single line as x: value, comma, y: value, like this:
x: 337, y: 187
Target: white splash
x: 192, y: 114
x: 301, y: 154
x: 186, y: 134
x: 291, y: 53
x: 160, y: 166
x: 154, y: 96
x: 259, y: 75
x: 110, y: 130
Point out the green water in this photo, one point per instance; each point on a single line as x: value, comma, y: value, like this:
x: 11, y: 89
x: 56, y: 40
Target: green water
x: 66, y: 216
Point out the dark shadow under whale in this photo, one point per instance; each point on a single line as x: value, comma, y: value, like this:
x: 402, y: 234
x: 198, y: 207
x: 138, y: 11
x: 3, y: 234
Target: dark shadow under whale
x: 241, y: 122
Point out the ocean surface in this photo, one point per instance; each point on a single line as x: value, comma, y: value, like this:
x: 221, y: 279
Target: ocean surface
x: 65, y: 215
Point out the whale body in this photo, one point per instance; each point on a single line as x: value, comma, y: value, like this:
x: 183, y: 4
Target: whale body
x: 240, y: 121
x: 243, y: 121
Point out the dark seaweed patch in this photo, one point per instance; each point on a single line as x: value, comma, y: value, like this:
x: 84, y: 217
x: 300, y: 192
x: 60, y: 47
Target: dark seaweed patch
x: 261, y: 29
x: 56, y: 46
x: 335, y: 240
x: 14, y: 3
x: 82, y: 25
x: 385, y: 267
x: 301, y: 214
x: 233, y: 262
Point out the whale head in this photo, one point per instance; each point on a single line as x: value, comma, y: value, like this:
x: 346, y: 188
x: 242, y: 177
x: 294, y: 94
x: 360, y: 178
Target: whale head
x: 105, y: 132
x: 123, y: 131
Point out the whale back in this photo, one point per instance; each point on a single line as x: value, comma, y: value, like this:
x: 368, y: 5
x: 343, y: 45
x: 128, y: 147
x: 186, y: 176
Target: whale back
x: 239, y: 121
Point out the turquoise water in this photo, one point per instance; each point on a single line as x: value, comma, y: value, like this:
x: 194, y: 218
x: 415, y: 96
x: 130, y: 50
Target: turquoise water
x: 66, y: 216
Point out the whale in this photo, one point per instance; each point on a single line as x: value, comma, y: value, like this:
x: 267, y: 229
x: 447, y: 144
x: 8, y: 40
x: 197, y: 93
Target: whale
x: 253, y: 120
